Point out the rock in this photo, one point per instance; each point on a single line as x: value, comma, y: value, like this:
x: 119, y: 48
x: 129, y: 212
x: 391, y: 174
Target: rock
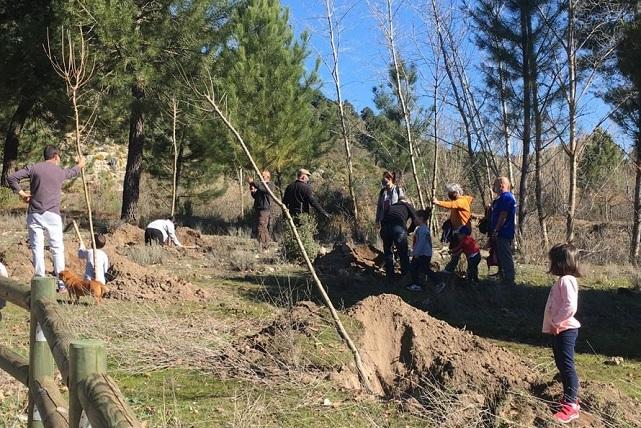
x: 614, y: 361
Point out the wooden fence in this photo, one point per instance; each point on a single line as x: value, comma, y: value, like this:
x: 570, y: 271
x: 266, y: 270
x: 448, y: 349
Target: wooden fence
x: 94, y: 399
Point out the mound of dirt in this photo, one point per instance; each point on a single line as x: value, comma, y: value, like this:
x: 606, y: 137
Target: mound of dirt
x: 404, y: 350
x: 133, y: 281
x: 449, y: 375
x: 136, y: 282
x: 125, y: 235
x: 353, y: 255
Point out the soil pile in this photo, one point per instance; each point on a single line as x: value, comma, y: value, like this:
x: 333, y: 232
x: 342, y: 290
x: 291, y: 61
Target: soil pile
x: 125, y: 235
x: 408, y: 353
x: 133, y: 281
x: 136, y: 282
x: 448, y: 375
x: 352, y: 258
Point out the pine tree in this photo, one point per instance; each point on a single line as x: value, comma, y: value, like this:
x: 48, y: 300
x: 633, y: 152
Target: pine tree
x: 269, y: 94
x: 26, y: 77
x: 627, y: 95
x: 141, y: 44
x: 600, y: 157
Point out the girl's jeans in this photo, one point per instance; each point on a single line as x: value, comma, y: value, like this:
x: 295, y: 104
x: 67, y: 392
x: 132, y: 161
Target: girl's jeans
x: 564, y: 343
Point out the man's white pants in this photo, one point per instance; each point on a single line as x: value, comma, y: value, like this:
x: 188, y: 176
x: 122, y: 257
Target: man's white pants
x: 37, y: 224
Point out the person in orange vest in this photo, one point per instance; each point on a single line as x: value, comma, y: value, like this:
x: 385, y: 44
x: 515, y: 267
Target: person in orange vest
x: 460, y: 207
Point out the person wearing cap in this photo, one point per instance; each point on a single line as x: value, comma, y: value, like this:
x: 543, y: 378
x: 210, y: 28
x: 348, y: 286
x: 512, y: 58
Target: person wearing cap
x: 299, y: 196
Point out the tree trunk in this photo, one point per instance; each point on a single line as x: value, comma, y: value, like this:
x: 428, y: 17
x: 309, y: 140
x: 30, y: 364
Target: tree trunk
x: 526, y: 47
x: 459, y: 105
x: 636, y: 219
x: 403, y: 104
x: 341, y: 110
x: 131, y: 185
x: 174, y: 183
x: 636, y: 225
x: 435, y: 153
x: 538, y: 170
x: 505, y: 124
x: 12, y: 139
x: 572, y: 143
x: 538, y: 144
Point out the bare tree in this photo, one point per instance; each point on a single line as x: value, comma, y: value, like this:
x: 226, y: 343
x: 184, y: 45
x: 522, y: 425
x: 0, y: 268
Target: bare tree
x: 386, y: 22
x: 174, y: 183
x: 468, y: 123
x: 76, y: 69
x: 333, y: 28
x: 208, y: 94
x: 578, y: 35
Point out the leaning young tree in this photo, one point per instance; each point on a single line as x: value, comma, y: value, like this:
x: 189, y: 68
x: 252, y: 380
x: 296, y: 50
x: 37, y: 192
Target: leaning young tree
x: 75, y: 67
x: 333, y: 29
x: 386, y: 22
x: 208, y: 94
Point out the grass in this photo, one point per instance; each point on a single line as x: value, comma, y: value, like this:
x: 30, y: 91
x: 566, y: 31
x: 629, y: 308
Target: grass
x: 164, y: 356
x: 186, y: 398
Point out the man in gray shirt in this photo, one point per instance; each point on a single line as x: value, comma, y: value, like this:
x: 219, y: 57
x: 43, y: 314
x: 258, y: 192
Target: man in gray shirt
x: 46, y: 180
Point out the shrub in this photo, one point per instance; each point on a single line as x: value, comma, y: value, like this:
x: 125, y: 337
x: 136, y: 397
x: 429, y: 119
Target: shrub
x: 243, y: 261
x: 147, y: 255
x: 307, y: 231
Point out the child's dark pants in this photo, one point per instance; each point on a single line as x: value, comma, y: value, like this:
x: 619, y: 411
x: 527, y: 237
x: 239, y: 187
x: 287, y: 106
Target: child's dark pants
x: 564, y: 343
x: 420, y: 267
x: 473, y: 267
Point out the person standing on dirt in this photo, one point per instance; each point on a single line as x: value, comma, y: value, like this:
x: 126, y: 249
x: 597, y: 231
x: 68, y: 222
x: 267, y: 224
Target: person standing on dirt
x: 502, y: 228
x: 460, y: 207
x: 422, y: 256
x: 390, y: 194
x: 43, y: 214
x: 262, y: 206
x: 3, y: 274
x: 394, y: 233
x: 299, y: 196
x: 160, y: 232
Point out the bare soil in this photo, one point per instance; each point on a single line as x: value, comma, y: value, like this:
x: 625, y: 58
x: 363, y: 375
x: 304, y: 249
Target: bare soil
x: 133, y: 281
x: 447, y: 374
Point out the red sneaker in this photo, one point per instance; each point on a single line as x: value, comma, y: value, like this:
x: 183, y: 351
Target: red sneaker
x: 568, y: 413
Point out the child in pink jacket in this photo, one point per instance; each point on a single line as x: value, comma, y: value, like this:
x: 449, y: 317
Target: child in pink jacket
x: 559, y: 321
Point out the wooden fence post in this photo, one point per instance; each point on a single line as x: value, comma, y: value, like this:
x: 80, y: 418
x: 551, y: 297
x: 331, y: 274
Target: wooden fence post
x: 86, y: 357
x: 41, y: 363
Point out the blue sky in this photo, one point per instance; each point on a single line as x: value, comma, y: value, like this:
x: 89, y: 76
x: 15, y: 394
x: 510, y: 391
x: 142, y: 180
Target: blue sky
x: 364, y: 57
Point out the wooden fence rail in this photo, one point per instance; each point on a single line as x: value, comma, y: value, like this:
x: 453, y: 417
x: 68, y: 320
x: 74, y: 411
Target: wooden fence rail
x: 94, y: 398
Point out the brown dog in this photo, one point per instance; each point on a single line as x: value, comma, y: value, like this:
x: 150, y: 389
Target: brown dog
x: 77, y: 286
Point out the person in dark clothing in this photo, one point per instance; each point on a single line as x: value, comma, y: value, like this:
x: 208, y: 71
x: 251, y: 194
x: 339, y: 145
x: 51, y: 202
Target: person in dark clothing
x: 394, y: 233
x: 299, y: 196
x: 262, y: 207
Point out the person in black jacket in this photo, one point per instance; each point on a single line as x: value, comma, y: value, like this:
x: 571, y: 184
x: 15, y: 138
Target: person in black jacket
x: 394, y: 233
x: 299, y: 196
x: 262, y: 207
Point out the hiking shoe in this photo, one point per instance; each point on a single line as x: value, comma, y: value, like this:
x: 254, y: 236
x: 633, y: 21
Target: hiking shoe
x: 438, y: 289
x: 414, y: 287
x: 568, y: 413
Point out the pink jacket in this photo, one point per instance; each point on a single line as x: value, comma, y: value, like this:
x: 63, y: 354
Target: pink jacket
x: 561, y: 306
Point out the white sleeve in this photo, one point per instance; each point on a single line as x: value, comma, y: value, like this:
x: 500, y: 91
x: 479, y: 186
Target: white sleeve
x: 171, y: 231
